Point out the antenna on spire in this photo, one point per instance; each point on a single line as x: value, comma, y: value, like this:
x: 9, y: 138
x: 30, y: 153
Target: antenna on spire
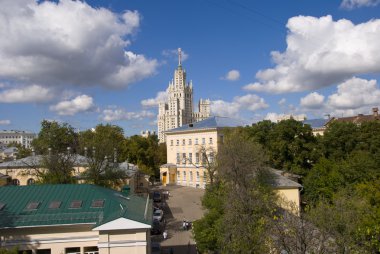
x: 179, y: 57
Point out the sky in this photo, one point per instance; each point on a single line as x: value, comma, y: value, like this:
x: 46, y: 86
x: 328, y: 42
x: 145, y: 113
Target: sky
x: 110, y: 61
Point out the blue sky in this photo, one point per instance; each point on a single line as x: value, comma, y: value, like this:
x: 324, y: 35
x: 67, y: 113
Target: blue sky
x: 110, y: 61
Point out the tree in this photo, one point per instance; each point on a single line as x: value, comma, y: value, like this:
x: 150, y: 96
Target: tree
x: 56, y: 136
x: 57, y: 144
x: 101, y: 148
x: 239, y: 201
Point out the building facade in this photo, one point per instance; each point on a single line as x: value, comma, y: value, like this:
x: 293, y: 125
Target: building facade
x: 19, y: 137
x: 179, y: 110
x: 74, y: 218
x: 192, y: 149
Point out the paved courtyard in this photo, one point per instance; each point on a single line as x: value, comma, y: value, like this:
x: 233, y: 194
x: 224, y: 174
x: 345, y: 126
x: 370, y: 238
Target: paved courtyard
x: 182, y: 203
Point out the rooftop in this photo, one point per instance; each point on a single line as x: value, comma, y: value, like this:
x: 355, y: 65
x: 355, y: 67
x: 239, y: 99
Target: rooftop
x: 316, y: 123
x: 66, y: 204
x: 213, y: 122
x: 280, y: 181
x: 35, y: 160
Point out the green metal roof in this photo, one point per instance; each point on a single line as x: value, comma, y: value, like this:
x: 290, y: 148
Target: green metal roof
x: 17, y: 198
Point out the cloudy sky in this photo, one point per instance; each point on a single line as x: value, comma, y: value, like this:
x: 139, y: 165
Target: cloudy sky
x: 110, y: 61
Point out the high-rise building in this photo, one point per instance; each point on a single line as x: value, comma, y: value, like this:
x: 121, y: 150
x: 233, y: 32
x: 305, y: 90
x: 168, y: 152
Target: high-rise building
x: 18, y: 137
x: 179, y: 110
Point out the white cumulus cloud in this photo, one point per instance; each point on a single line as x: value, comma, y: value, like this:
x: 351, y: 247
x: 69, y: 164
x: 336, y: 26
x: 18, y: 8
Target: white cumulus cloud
x: 355, y: 93
x: 232, y: 75
x: 69, y: 42
x: 161, y: 96
x: 118, y: 114
x: 321, y: 52
x: 5, y: 122
x: 27, y: 94
x: 352, y: 4
x: 82, y: 103
x: 313, y: 100
x: 250, y: 102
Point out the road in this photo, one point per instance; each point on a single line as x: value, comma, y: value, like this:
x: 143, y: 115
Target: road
x: 182, y: 203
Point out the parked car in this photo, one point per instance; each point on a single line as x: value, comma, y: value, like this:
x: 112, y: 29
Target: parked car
x: 158, y: 215
x: 157, y: 227
x: 156, y: 196
x: 156, y: 248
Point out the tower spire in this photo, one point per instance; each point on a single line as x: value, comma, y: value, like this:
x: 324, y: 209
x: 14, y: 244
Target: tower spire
x: 179, y: 57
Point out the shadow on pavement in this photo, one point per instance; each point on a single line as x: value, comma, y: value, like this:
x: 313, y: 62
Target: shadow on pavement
x: 180, y: 249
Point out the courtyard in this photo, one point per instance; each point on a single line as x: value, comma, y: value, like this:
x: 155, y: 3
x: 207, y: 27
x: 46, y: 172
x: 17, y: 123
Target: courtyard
x: 183, y: 203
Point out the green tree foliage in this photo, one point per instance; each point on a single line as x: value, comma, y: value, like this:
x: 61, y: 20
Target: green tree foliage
x: 9, y: 251
x: 103, y: 147
x: 147, y: 153
x: 56, y: 136
x: 57, y: 143
x: 290, y: 144
x: 239, y: 202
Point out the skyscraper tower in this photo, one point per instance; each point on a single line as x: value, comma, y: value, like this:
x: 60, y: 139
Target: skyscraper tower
x: 179, y: 108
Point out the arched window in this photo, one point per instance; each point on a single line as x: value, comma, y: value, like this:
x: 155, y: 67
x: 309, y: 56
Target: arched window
x: 15, y: 182
x: 30, y: 181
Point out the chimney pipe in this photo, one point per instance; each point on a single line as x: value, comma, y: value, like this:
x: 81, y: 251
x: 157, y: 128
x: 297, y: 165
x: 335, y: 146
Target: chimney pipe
x: 114, y: 155
x: 375, y: 111
x: 33, y: 152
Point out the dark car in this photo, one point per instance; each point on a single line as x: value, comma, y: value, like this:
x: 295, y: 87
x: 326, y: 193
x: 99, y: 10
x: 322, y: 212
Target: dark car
x: 156, y: 196
x: 157, y: 227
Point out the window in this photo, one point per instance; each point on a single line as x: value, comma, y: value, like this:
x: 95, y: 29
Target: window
x: 183, y: 142
x: 15, y: 182
x: 179, y: 175
x: 72, y: 250
x: 97, y: 203
x: 184, y: 158
x: 55, y: 204
x: 196, y: 141
x: 196, y: 158
x: 203, y: 159
x: 191, y: 176
x: 203, y: 141
x: 43, y: 251
x: 204, y: 176
x: 30, y: 181
x: 91, y: 250
x: 76, y: 204
x: 171, y: 142
x: 33, y: 205
x: 184, y: 175
x: 211, y: 157
x: 190, y: 158
x: 198, y: 176
x: 177, y: 142
x: 178, y: 159
x: 210, y: 141
x: 190, y: 141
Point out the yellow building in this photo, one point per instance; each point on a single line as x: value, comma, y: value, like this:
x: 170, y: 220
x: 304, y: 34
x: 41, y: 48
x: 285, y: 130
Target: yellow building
x: 73, y: 218
x: 23, y: 171
x: 187, y: 148
x: 187, y: 167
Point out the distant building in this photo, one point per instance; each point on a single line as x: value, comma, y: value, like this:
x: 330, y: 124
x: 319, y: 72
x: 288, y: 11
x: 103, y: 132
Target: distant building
x: 318, y: 126
x: 74, y: 218
x: 360, y: 118
x: 22, y: 171
x: 288, y: 117
x: 178, y: 110
x: 19, y: 137
x: 147, y: 133
x: 8, y: 153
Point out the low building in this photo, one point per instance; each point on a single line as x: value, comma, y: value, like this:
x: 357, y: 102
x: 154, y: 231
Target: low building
x: 8, y: 153
x: 318, y: 126
x: 23, y: 138
x: 360, y: 118
x: 23, y: 171
x: 68, y: 218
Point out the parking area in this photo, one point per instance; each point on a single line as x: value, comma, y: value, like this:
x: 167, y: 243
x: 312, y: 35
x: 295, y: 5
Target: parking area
x: 183, y: 203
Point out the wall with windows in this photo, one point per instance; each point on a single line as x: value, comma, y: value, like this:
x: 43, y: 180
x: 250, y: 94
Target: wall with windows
x: 186, y: 150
